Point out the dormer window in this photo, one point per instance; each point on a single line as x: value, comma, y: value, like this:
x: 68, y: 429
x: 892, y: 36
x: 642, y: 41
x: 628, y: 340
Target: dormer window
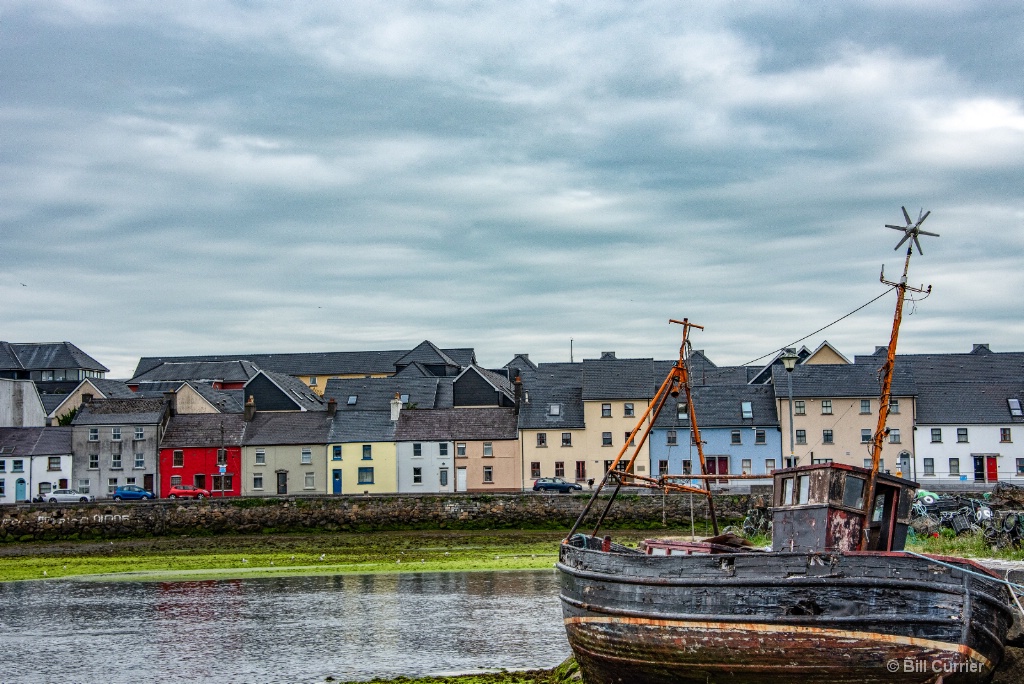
x: 747, y: 410
x: 352, y: 399
x: 681, y: 412
x: 554, y: 410
x: 1015, y: 409
x: 404, y: 398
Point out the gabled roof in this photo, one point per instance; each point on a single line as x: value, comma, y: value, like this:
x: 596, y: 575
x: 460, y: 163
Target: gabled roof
x: 764, y: 374
x: 521, y: 362
x: 197, y: 371
x: 428, y: 354
x: 46, y: 356
x: 375, y: 394
x: 721, y: 406
x: 116, y: 411
x: 297, y: 391
x: 701, y: 374
x: 288, y: 427
x: 457, y: 423
x: 611, y: 378
x: 203, y: 430
x: 857, y: 380
x: 499, y: 382
x: 558, y: 384
x: 826, y: 353
x: 362, y: 426
x: 35, y: 441
x: 968, y: 403
x: 100, y: 388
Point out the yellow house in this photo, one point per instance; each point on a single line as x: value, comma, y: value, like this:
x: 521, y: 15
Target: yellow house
x: 362, y: 457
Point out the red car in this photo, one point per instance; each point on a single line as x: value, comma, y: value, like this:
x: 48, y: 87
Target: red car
x: 186, y: 492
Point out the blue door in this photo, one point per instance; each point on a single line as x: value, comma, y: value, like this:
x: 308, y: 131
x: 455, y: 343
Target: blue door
x: 19, y: 490
x: 336, y: 480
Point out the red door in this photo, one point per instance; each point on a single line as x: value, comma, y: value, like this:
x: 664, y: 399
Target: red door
x: 718, y: 465
x: 991, y: 469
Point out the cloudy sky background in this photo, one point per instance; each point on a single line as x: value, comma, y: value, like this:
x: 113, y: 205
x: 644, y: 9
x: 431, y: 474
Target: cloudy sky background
x: 216, y: 177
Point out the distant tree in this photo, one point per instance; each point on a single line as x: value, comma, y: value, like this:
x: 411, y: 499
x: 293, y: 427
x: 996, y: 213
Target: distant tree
x: 67, y: 417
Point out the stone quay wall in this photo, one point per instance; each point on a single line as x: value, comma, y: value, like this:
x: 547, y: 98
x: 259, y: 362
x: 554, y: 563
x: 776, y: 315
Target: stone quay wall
x: 110, y: 520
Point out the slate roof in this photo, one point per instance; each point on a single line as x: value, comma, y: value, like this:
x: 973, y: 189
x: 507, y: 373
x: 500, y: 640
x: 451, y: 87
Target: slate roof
x: 720, y: 406
x: 427, y: 353
x: 312, y: 363
x: 497, y: 380
x: 457, y: 423
x: 968, y: 403
x: 855, y: 380
x: 552, y: 383
x: 111, y: 389
x: 119, y: 411
x: 618, y: 379
x: 45, y: 356
x: 702, y: 374
x: 203, y: 430
x: 288, y: 427
x: 375, y: 394
x: 362, y: 426
x: 298, y: 391
x: 979, y: 366
x: 198, y: 371
x: 35, y: 441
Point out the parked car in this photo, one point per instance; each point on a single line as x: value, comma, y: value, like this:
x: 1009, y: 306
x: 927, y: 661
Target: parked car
x: 131, y: 493
x: 66, y: 495
x: 186, y: 492
x: 557, y: 484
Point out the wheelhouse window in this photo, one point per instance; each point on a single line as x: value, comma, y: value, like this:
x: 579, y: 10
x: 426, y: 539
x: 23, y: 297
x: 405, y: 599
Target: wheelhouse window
x: 853, y: 492
x: 786, y: 496
x: 803, y: 489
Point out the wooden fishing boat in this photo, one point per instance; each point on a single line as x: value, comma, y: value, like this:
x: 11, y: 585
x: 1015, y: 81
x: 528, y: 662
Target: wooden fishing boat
x: 835, y: 600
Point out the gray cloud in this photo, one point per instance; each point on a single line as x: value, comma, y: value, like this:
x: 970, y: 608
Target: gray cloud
x: 214, y: 177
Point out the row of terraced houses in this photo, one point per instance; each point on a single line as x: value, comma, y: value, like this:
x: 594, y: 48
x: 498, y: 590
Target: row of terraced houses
x: 431, y: 420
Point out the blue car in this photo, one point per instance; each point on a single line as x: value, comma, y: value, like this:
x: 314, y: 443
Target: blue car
x: 131, y: 493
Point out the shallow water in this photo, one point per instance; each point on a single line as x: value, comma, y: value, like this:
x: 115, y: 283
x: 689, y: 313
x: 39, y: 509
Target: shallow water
x: 289, y: 629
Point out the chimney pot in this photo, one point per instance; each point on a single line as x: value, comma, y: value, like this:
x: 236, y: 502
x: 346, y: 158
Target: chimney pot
x: 332, y: 406
x: 250, y: 409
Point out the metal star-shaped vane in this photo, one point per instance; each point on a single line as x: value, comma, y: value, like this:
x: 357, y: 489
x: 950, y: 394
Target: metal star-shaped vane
x: 912, y: 229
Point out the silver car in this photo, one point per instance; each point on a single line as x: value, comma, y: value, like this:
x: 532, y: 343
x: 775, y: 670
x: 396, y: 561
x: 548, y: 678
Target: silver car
x: 66, y: 495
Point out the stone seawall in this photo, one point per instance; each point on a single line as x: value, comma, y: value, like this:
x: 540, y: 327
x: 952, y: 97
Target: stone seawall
x: 109, y: 520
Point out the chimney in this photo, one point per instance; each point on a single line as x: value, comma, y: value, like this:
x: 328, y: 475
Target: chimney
x: 980, y: 348
x: 518, y: 392
x: 332, y: 406
x: 250, y: 409
x: 172, y: 402
x: 607, y: 355
x: 396, y: 408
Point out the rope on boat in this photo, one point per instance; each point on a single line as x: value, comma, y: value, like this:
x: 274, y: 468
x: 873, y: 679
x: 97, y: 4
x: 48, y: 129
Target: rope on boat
x: 1012, y: 586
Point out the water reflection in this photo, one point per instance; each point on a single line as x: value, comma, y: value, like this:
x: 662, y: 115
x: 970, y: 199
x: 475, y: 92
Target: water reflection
x: 279, y: 629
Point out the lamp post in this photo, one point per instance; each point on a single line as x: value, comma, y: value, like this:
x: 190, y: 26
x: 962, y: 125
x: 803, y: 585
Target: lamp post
x: 789, y: 359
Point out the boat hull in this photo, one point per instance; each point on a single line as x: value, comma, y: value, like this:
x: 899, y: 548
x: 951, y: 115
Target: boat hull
x: 765, y: 618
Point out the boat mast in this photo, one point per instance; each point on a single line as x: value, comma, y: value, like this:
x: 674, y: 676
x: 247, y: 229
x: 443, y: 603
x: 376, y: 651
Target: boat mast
x: 678, y: 378
x: 911, y: 232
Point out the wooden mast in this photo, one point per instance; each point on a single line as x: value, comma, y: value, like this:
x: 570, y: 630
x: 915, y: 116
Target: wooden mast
x: 912, y: 231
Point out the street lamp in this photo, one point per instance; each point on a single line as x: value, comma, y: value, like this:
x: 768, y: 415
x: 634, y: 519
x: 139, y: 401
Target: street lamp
x: 789, y: 359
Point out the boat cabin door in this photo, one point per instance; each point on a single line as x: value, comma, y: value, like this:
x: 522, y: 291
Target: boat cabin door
x: 882, y: 526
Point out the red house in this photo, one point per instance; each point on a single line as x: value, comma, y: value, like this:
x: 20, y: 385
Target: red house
x: 204, y: 450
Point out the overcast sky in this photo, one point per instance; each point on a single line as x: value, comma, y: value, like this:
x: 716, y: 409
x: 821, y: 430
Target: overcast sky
x: 214, y: 177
